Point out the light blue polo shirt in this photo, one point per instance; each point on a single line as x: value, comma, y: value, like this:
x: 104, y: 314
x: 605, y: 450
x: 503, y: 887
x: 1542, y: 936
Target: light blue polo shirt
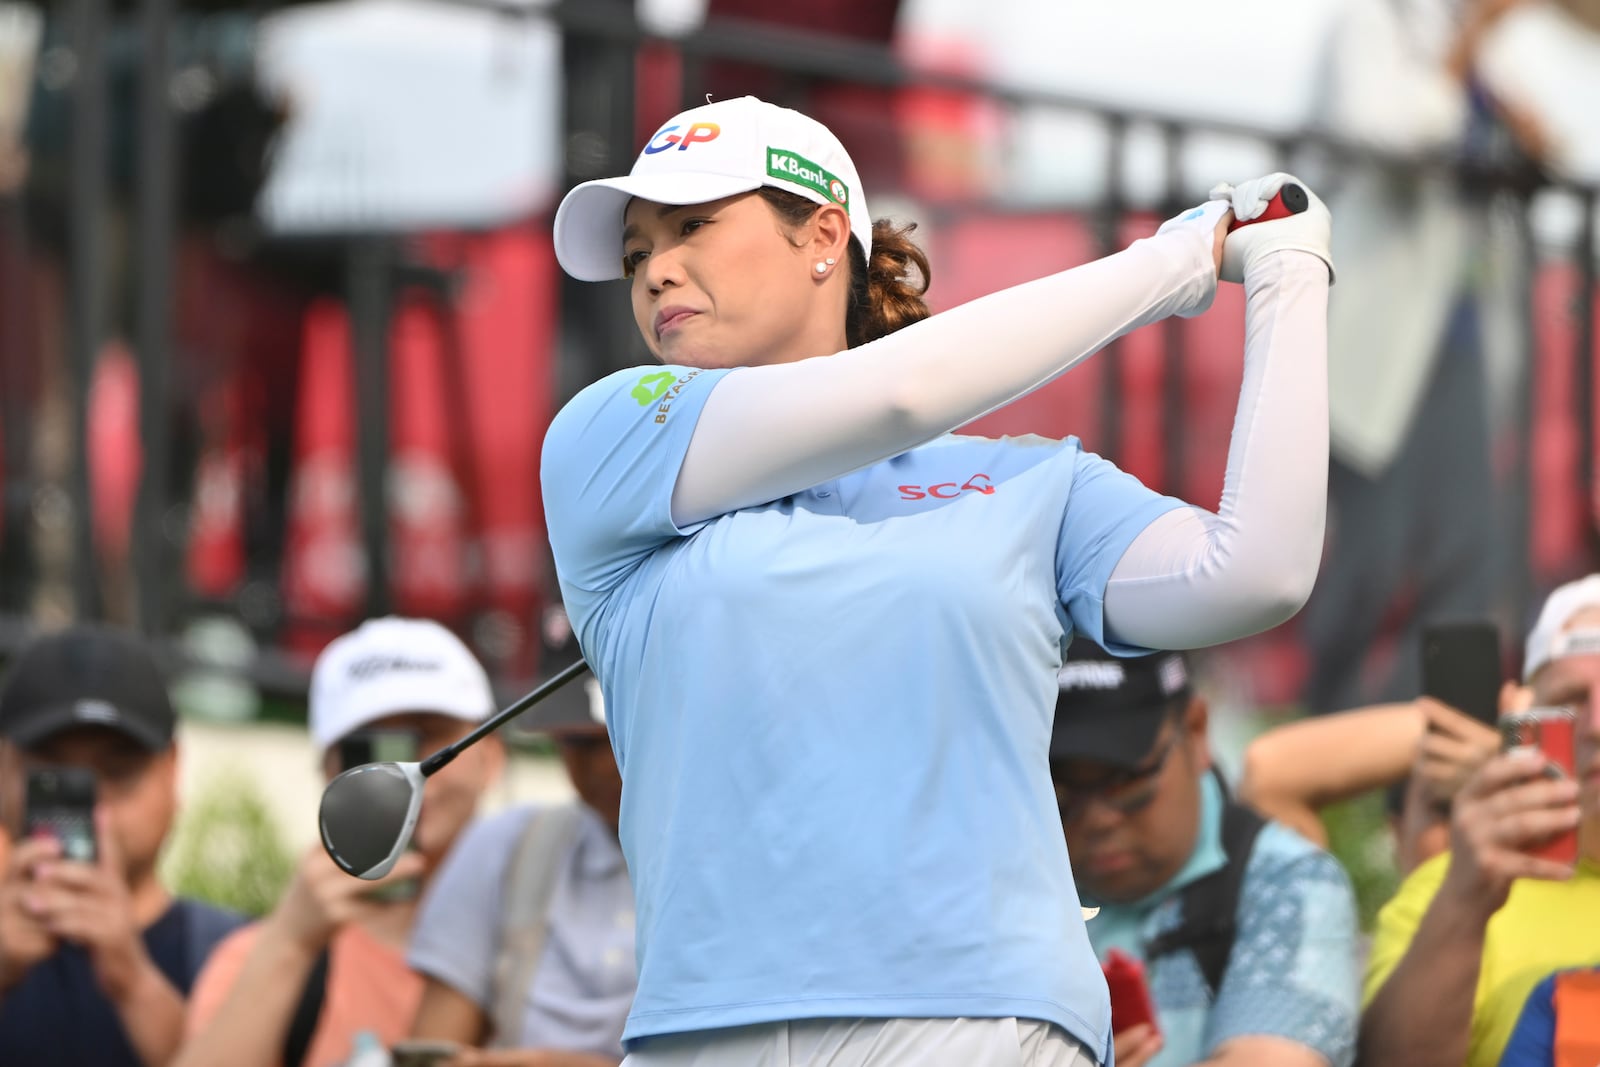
x: 1294, y: 972
x: 833, y: 712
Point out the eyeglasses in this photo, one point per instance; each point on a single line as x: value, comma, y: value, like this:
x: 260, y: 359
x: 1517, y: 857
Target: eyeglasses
x: 1125, y: 792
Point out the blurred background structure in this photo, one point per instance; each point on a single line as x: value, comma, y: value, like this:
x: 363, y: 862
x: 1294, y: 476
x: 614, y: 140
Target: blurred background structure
x: 281, y: 328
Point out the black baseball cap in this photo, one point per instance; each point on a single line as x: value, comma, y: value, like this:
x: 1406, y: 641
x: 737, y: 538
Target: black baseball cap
x: 1109, y: 709
x: 88, y: 675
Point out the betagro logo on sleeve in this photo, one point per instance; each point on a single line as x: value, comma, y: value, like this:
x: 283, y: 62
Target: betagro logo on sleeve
x: 792, y: 167
x: 649, y: 388
x: 662, y: 386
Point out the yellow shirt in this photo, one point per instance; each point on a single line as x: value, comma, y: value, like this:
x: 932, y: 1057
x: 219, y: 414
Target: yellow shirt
x: 1543, y: 927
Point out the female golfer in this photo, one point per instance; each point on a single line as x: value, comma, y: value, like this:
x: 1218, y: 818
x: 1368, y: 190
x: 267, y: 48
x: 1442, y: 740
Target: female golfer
x: 827, y: 630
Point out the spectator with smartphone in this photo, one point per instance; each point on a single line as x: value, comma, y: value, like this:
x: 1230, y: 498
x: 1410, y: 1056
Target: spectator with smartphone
x: 526, y: 940
x: 1247, y: 932
x: 96, y: 956
x: 323, y: 976
x: 1470, y: 932
x: 1421, y: 752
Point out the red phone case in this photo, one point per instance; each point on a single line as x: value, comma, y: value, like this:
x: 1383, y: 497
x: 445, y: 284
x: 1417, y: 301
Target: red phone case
x: 1130, y: 994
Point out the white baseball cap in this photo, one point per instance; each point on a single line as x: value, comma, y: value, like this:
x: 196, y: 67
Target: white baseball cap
x: 1550, y: 639
x: 704, y: 154
x: 390, y: 666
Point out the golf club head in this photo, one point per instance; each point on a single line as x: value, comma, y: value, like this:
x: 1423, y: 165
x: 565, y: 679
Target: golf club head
x: 368, y: 814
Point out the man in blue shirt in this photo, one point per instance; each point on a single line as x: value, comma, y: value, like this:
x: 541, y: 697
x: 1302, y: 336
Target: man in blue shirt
x: 1247, y: 932
x: 96, y: 957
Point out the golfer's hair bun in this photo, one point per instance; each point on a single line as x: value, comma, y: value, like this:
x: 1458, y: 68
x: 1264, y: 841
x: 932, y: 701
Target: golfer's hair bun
x: 895, y: 278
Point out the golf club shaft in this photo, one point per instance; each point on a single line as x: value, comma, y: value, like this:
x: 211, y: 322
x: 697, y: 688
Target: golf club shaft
x: 489, y: 726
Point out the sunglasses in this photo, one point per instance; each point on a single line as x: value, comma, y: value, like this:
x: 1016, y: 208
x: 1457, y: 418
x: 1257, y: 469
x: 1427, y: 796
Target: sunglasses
x: 1124, y: 792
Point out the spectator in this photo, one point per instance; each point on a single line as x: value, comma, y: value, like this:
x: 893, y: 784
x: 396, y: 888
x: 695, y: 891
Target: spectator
x: 1171, y: 859
x: 324, y: 974
x: 526, y: 937
x: 1560, y: 1023
x: 1471, y: 932
x: 1411, y: 516
x: 1421, y: 752
x: 96, y: 959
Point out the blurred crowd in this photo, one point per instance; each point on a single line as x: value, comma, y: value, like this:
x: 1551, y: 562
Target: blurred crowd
x: 1228, y: 932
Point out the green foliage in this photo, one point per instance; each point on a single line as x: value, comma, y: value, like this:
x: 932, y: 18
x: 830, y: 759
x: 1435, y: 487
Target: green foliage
x: 1358, y: 836
x: 227, y: 849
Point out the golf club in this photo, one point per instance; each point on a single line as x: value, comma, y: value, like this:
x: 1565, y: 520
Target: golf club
x: 368, y: 813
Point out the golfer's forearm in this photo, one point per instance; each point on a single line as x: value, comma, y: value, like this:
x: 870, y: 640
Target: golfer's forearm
x: 1195, y: 578
x: 152, y: 1017
x: 769, y: 431
x: 252, y: 1022
x: 1422, y: 1016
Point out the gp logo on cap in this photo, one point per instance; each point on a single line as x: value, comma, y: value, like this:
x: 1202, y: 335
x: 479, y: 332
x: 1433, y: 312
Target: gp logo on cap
x: 697, y: 132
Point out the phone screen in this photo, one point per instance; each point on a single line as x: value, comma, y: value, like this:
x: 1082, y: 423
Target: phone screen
x: 1461, y: 668
x: 60, y: 804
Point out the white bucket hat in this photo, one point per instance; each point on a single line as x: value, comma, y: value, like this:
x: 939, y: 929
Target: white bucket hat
x: 704, y: 154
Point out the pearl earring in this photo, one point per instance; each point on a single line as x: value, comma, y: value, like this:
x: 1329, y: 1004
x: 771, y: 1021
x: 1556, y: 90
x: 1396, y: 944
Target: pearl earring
x: 822, y: 268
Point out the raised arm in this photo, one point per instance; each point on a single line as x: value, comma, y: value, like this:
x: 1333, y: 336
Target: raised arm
x: 1295, y: 770
x: 769, y: 431
x: 1195, y: 577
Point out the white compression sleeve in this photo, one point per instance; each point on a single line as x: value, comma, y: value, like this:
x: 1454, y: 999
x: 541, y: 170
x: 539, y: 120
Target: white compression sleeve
x: 769, y: 431
x: 1194, y: 578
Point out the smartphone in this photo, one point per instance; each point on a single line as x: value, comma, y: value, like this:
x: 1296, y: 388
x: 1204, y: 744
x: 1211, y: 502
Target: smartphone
x: 1130, y: 994
x: 422, y: 1053
x: 1461, y: 667
x: 1551, y: 731
x: 59, y: 803
x: 378, y: 746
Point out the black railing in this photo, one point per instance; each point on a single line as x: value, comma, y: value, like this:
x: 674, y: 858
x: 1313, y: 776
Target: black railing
x: 603, y: 40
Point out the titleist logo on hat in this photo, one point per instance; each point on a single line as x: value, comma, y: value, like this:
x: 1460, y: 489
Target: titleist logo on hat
x: 363, y: 669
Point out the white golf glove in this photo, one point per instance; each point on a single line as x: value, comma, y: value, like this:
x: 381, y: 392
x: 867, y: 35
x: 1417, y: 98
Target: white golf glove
x: 1309, y: 231
x: 1200, y: 225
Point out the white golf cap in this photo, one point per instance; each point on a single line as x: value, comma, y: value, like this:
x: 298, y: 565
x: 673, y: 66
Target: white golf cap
x: 704, y: 154
x: 1550, y: 639
x: 390, y: 666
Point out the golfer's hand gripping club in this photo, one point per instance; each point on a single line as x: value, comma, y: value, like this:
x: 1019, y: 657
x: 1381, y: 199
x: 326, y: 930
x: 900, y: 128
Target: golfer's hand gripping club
x: 1275, y: 213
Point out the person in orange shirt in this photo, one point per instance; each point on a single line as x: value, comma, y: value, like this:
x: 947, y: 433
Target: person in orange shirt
x: 323, y: 977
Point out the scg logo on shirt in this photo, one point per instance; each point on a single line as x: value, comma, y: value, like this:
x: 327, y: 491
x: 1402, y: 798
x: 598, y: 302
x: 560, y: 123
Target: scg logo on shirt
x: 978, y: 483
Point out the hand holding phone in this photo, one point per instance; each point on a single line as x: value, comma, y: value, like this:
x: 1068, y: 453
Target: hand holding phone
x: 1551, y: 732
x: 1130, y: 994
x: 60, y: 805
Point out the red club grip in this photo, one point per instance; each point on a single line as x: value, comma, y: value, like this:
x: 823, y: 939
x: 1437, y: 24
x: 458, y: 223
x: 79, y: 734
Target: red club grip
x: 1291, y: 200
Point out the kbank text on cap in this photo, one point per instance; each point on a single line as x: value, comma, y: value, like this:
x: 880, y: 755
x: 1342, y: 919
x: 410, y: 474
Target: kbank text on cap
x: 705, y: 154
x: 392, y: 666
